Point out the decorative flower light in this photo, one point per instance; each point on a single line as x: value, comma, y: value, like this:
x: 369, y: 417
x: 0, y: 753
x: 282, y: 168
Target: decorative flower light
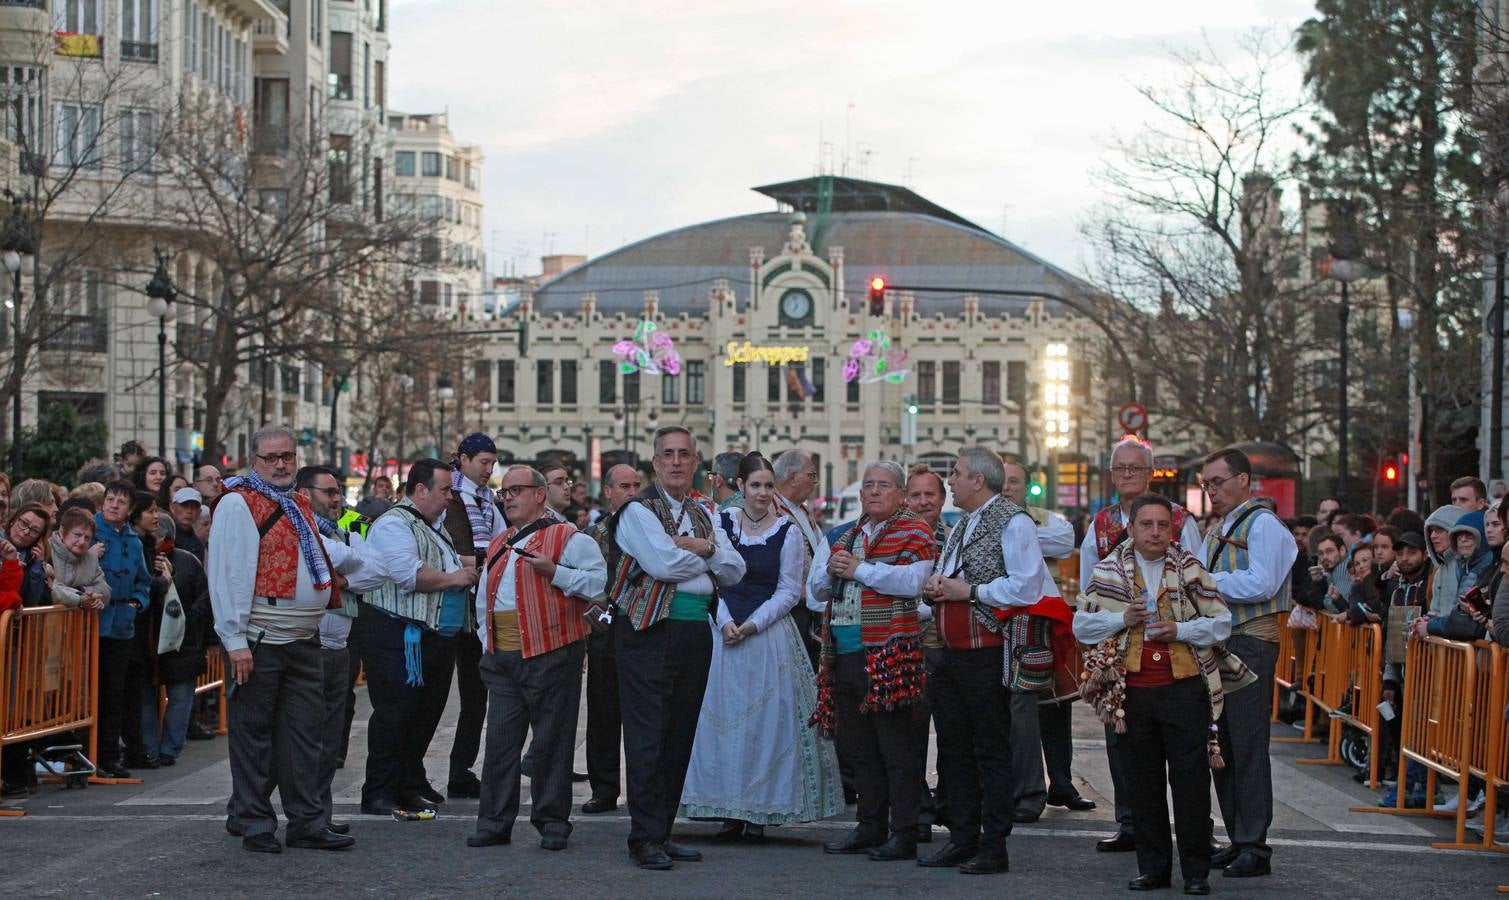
x: 871, y: 359
x: 651, y: 351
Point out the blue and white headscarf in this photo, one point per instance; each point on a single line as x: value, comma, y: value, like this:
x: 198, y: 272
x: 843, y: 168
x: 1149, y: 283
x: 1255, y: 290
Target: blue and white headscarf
x: 309, y: 548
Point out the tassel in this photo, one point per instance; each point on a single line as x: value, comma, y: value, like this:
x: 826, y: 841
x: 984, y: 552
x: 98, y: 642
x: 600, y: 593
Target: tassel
x: 413, y: 662
x: 1213, y: 750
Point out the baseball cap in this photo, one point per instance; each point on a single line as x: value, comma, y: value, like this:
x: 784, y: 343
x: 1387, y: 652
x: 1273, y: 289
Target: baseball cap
x: 1413, y: 539
x: 187, y: 495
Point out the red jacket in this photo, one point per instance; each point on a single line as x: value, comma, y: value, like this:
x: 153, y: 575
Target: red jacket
x: 11, y: 574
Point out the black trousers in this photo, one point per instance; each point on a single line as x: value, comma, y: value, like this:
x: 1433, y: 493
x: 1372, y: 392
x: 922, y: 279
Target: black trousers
x: 543, y: 694
x: 1165, y: 746
x: 662, y: 674
x: 116, y: 706
x: 932, y: 803
x: 336, y: 682
x: 604, y: 722
x: 882, y: 747
x: 1245, y: 786
x: 973, y: 714
x: 354, y: 669
x: 1055, y: 726
x: 1116, y: 760
x: 404, y: 718
x: 139, y: 673
x: 473, y: 704
x: 276, y: 719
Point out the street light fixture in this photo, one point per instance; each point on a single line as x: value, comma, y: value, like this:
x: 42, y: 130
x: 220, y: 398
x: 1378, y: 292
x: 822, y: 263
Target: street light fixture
x: 160, y: 297
x: 445, y: 392
x: 1344, y: 264
x: 18, y: 240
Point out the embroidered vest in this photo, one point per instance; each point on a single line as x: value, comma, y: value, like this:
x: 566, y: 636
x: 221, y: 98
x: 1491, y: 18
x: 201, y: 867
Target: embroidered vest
x: 1111, y: 529
x: 968, y: 625
x: 278, y: 551
x: 548, y: 618
x: 641, y: 597
x: 421, y: 607
x: 1229, y: 553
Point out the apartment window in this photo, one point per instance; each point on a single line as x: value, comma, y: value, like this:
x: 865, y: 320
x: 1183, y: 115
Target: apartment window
x: 191, y: 35
x: 452, y: 169
x: 431, y: 162
x: 819, y: 378
x: 77, y: 139
x: 951, y: 382
x: 403, y: 163
x: 377, y: 192
x: 78, y: 16
x: 544, y: 382
x: 340, y: 168
x: 77, y: 318
x: 429, y: 293
x: 206, y: 41
x: 506, y: 382
x: 382, y: 15
x: 631, y: 387
x: 696, y: 382
x: 990, y: 384
x: 138, y: 140
x: 472, y: 176
x: 275, y: 201
x: 340, y: 65
x: 851, y: 392
x: 773, y: 381
x: 430, y: 250
x: 927, y: 382
x: 366, y: 75
x: 379, y: 88
x: 227, y: 63
x: 21, y: 93
x: 568, y: 382
x: 238, y: 77
x: 1016, y: 383
x: 670, y: 390
x: 607, y: 382
x: 138, y: 30
x: 316, y: 21
x: 738, y: 384
x: 270, y: 108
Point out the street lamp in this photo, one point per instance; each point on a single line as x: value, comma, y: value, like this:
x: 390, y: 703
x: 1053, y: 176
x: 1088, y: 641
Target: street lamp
x: 1344, y: 265
x: 160, y: 297
x: 18, y: 240
x: 405, y: 383
x: 445, y: 392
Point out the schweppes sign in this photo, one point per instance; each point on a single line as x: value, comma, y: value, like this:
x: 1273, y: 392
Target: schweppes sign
x: 773, y: 356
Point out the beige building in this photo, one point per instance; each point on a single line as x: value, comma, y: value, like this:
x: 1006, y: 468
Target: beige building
x: 440, y: 179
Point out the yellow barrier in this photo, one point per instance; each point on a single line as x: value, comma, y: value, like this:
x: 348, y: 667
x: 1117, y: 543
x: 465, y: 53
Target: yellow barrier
x: 49, y: 660
x: 211, y: 679
x: 1347, y: 685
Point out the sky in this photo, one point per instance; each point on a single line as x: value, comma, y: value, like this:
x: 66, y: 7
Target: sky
x: 607, y: 121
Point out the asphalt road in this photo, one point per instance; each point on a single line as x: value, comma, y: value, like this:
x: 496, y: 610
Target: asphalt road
x: 165, y: 837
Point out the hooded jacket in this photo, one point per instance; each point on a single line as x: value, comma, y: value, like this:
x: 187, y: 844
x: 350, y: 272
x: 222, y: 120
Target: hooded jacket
x: 73, y: 575
x: 1479, y: 566
x: 1443, y: 593
x: 126, y: 572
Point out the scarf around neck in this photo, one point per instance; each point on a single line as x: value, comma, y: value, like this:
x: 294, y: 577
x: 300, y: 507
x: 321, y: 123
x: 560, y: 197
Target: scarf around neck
x: 482, y: 514
x: 314, y: 556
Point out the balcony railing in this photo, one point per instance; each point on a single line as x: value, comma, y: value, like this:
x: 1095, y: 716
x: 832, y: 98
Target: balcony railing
x: 139, y: 51
x: 78, y: 333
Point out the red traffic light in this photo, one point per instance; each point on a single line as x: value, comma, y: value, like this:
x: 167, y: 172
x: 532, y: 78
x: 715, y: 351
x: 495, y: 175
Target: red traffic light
x: 877, y: 284
x: 1390, y: 471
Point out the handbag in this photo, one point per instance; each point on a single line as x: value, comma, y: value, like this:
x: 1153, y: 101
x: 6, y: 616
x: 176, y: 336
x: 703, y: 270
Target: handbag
x: 453, y: 608
x: 1303, y: 618
x: 1031, y: 653
x: 174, y: 622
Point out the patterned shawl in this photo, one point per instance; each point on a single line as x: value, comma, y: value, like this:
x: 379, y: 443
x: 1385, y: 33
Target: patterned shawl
x: 482, y: 514
x: 1186, y: 592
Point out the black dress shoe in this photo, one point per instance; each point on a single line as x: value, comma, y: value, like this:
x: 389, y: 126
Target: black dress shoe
x: 857, y: 841
x: 951, y: 855
x: 1149, y: 883
x: 324, y: 839
x: 599, y: 805
x: 1073, y: 804
x: 650, y: 856
x: 924, y: 834
x: 379, y: 808
x: 1196, y: 886
x: 1121, y: 842
x: 1220, y: 859
x: 142, y: 762
x: 552, y: 842
x: 340, y: 827
x: 580, y: 778
x: 234, y: 828
x: 115, y: 769
x: 488, y: 838
x: 167, y: 761
x: 266, y: 842
x: 754, y: 834
x: 465, y: 786
x: 732, y: 830
x: 1025, y: 816
x: 679, y: 853
x: 430, y: 796
x: 198, y: 732
x: 897, y: 847
x: 989, y: 861
x: 1248, y: 865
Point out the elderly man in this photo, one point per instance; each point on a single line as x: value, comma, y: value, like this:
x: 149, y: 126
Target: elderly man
x: 795, y: 480
x: 271, y: 578
x: 208, y: 483
x: 1130, y: 468
x: 407, y: 638
x: 534, y: 639
x: 667, y: 559
x: 871, y: 676
x: 1249, y: 553
x: 725, y: 479
x: 991, y: 567
x: 604, y: 722
x: 472, y: 520
x: 184, y: 509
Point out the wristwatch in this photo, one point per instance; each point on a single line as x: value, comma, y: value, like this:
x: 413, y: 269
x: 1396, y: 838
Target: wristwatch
x: 974, y: 593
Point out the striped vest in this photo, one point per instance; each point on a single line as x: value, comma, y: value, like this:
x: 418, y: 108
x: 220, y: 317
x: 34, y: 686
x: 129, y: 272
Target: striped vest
x: 979, y: 561
x: 637, y: 594
x: 548, y: 618
x: 423, y: 608
x: 1228, y: 553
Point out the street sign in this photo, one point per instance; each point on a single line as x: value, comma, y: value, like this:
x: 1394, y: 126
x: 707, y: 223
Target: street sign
x: 1132, y: 417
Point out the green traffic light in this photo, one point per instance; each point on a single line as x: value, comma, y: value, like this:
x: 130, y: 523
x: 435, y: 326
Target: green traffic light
x: 911, y: 409
x: 1036, y: 490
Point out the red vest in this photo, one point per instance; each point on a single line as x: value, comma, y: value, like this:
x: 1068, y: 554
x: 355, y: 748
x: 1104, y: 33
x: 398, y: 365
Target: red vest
x: 548, y: 618
x: 278, y: 552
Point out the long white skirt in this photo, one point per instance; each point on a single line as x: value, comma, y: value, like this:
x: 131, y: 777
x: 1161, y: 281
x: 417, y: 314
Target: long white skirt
x: 755, y: 757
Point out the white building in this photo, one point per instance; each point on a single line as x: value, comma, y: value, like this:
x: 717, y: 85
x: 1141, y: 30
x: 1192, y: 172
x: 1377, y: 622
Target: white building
x: 441, y: 179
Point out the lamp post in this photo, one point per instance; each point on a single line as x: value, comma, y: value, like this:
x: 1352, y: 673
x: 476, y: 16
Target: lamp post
x: 405, y: 382
x: 18, y: 240
x: 1343, y: 267
x: 445, y: 392
x: 160, y: 297
x: 1412, y: 464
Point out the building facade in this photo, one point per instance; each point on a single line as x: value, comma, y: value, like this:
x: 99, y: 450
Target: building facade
x: 440, y: 179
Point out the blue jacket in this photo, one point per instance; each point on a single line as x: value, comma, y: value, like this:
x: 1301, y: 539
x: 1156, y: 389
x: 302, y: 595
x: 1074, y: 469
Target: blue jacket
x: 126, y: 572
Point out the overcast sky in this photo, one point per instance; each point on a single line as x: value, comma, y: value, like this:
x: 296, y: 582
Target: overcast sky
x: 607, y: 121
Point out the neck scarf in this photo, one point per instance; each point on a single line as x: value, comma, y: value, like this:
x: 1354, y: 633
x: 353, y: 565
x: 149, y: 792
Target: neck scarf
x: 327, y: 527
x: 314, y: 556
x: 481, y: 514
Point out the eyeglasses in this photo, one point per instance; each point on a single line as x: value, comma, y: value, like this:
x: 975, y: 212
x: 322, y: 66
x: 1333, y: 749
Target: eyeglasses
x: 274, y: 458
x: 515, y: 490
x: 25, y: 526
x: 1130, y: 470
x: 561, y: 482
x: 1210, y: 485
x: 328, y: 492
x: 812, y: 475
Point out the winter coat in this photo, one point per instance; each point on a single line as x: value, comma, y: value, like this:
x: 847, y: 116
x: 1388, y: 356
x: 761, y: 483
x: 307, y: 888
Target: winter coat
x: 1443, y: 590
x: 187, y: 662
x: 1479, y: 566
x: 73, y: 575
x: 126, y: 572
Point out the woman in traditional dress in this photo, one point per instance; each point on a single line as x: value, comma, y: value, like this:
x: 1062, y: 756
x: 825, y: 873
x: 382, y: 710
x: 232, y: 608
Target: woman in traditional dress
x: 756, y: 760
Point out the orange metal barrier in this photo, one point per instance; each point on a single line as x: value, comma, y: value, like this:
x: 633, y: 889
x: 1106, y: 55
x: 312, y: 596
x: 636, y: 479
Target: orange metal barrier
x: 211, y: 679
x: 49, y: 660
x: 1348, y: 685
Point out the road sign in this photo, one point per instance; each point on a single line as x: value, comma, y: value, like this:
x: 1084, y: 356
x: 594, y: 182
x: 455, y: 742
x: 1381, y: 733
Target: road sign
x: 1132, y: 417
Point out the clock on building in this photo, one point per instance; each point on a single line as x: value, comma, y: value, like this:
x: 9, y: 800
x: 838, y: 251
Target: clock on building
x: 796, y: 307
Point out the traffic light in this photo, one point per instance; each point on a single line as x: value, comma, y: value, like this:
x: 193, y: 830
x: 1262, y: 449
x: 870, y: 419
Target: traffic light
x: 1035, y: 485
x: 911, y: 406
x: 908, y: 421
x: 877, y: 295
x: 1390, y: 471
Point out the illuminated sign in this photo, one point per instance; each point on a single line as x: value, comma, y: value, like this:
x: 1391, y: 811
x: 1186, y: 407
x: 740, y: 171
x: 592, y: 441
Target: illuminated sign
x: 771, y: 356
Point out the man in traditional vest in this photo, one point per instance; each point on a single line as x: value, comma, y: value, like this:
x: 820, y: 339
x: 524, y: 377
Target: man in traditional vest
x: 667, y: 560
x: 539, y: 576
x: 604, y: 721
x: 1130, y: 468
x: 871, y: 677
x: 472, y: 520
x: 992, y: 564
x: 795, y: 480
x: 1249, y: 553
x: 271, y: 579
x: 406, y: 651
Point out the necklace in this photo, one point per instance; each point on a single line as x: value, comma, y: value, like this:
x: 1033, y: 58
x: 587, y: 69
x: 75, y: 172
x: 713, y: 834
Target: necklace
x: 753, y: 521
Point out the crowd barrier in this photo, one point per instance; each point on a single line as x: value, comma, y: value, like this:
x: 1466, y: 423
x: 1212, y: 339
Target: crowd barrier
x: 49, y: 657
x: 211, y: 679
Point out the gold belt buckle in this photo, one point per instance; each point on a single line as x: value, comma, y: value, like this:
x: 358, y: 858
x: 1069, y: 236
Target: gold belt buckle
x: 1157, y: 657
